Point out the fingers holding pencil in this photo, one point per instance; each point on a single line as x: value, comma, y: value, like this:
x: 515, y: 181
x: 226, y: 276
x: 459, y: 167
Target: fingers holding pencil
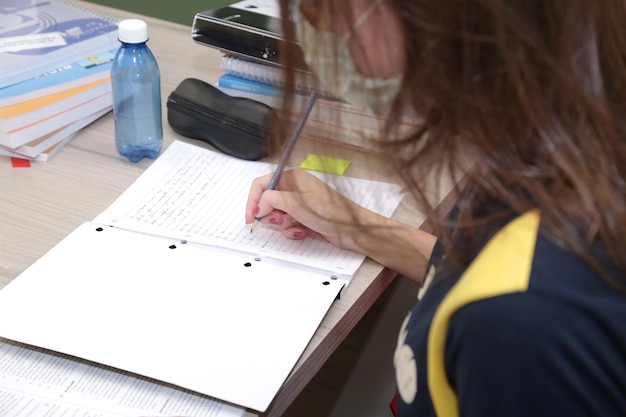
x: 284, y: 158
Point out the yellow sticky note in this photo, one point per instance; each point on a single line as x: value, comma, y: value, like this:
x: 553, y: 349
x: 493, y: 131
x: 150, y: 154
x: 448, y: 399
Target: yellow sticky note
x: 325, y: 164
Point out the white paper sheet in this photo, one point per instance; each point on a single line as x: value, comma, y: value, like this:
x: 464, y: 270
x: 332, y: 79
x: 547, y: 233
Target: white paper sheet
x: 179, y: 290
x: 37, y: 383
x: 192, y: 316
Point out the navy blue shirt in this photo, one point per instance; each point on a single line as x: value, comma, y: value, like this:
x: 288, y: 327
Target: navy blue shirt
x: 527, y: 329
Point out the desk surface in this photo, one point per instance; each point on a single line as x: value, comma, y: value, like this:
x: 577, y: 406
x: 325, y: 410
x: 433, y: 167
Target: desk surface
x: 44, y: 203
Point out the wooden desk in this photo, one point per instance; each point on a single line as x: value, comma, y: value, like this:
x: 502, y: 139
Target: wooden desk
x: 44, y: 203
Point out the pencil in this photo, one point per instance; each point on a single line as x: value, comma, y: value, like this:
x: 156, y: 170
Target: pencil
x: 284, y: 157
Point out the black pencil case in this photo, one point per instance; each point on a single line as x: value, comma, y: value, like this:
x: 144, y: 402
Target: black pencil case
x: 237, y: 126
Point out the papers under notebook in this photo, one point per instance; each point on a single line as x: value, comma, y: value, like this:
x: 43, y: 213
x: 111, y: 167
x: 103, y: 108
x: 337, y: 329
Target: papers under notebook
x: 179, y: 290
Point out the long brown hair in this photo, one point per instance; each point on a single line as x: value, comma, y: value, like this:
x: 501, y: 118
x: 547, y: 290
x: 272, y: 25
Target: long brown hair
x: 534, y: 93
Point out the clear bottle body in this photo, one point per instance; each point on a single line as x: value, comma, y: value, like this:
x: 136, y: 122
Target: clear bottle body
x: 136, y: 87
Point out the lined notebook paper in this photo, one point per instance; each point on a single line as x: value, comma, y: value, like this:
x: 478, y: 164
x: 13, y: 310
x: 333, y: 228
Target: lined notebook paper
x: 193, y: 194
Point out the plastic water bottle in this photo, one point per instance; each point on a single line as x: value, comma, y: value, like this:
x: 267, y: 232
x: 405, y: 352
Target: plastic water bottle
x: 136, y: 88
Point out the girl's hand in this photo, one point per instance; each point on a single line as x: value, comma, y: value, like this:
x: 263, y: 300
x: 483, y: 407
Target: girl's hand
x: 301, y: 203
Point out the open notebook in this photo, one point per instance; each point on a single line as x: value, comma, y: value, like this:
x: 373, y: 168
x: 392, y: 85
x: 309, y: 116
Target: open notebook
x: 170, y: 284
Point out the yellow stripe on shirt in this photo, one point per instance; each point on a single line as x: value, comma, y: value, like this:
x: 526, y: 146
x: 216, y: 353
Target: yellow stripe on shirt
x: 502, y: 267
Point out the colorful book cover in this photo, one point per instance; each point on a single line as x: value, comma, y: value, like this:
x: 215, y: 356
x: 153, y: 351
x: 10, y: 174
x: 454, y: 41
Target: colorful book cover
x: 43, y: 148
x: 88, y: 69
x: 18, y: 137
x: 17, y: 115
x: 38, y: 36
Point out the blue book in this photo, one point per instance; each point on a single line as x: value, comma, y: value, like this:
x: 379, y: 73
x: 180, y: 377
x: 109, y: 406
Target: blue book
x: 251, y: 86
x: 37, y: 36
x: 86, y: 70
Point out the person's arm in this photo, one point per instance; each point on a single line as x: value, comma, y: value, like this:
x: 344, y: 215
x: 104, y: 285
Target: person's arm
x: 400, y: 247
x: 302, y: 202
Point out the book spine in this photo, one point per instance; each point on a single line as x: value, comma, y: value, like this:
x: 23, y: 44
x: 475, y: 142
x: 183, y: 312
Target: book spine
x: 244, y: 84
x: 19, y: 137
x: 22, y: 114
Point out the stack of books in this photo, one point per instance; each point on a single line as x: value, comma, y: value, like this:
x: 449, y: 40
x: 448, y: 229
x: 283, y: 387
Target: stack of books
x: 249, y: 35
x: 55, y: 61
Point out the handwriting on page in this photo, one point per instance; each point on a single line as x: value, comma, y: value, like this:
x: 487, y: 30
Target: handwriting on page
x: 194, y: 194
x: 202, y: 195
